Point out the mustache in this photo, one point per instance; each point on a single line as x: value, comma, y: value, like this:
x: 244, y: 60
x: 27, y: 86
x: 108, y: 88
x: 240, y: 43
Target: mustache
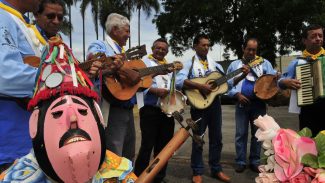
x: 73, y: 133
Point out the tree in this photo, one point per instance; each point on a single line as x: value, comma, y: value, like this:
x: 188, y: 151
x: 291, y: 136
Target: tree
x: 277, y: 24
x: 68, y: 25
x: 146, y: 6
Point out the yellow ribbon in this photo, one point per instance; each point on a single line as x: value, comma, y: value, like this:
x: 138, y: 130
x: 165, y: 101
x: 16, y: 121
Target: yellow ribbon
x: 19, y: 15
x: 122, y: 48
x: 305, y: 54
x: 205, y: 64
x: 160, y: 62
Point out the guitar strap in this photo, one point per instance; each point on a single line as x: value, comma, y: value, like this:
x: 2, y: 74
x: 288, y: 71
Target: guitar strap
x: 191, y: 68
x: 220, y: 71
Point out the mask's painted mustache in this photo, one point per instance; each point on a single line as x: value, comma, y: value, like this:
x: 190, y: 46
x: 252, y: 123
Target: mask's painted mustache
x: 73, y: 135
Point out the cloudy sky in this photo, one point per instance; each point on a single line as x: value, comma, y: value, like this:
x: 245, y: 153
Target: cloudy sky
x: 148, y: 35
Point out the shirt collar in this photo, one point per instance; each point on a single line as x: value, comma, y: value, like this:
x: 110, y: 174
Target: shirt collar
x: 42, y: 32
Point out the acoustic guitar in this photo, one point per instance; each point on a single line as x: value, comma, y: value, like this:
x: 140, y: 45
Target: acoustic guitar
x: 123, y: 91
x: 218, y: 82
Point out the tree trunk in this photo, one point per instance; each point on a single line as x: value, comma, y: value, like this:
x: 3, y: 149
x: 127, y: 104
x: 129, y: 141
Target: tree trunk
x: 129, y: 11
x: 83, y: 37
x: 139, y: 13
x: 70, y: 31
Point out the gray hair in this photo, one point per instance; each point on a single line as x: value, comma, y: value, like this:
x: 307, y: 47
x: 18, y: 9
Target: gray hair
x: 115, y: 20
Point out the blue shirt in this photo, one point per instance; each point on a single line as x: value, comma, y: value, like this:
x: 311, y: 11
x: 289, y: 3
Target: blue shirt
x: 182, y: 75
x: 150, y: 98
x: 16, y: 80
x: 245, y: 86
x: 291, y: 72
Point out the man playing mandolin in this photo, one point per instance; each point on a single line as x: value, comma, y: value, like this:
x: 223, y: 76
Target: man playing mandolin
x: 199, y: 66
x: 120, y: 132
x: 248, y: 106
x: 156, y: 127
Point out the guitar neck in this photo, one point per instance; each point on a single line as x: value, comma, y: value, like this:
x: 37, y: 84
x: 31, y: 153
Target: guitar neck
x: 154, y: 69
x: 225, y: 78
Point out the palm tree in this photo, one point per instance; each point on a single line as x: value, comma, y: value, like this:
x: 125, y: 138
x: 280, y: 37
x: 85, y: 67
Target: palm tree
x: 69, y: 24
x: 95, y: 4
x: 146, y: 6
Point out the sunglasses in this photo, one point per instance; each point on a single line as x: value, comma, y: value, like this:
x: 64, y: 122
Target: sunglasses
x: 51, y: 16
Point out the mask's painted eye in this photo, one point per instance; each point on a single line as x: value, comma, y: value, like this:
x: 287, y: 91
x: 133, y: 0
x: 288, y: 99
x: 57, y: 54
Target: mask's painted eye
x: 57, y: 114
x: 83, y: 112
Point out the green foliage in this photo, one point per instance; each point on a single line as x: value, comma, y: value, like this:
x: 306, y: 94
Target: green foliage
x: 305, y: 132
x: 320, y: 142
x: 321, y: 160
x: 310, y: 160
x: 276, y: 23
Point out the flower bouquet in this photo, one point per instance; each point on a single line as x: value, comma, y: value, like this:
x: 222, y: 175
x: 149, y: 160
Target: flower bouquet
x: 292, y: 157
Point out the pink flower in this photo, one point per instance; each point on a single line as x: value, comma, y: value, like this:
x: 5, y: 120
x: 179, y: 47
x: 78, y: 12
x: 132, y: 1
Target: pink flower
x: 313, y: 172
x: 267, y: 128
x: 289, y: 148
x: 266, y: 178
x: 300, y: 178
x: 320, y: 178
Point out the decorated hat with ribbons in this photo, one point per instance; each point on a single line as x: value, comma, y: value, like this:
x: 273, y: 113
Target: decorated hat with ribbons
x: 59, y: 74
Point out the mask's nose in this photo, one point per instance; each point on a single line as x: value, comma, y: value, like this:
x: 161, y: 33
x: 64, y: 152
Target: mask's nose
x: 72, y: 118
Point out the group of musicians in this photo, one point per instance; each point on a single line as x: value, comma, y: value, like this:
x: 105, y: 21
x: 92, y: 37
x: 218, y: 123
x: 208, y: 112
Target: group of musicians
x: 20, y: 39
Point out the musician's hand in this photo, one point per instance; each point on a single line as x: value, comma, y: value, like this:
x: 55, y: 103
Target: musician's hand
x: 112, y: 67
x: 291, y: 83
x: 163, y: 72
x: 94, y: 69
x: 159, y: 92
x: 245, y: 69
x: 242, y: 99
x: 205, y: 89
x: 129, y: 76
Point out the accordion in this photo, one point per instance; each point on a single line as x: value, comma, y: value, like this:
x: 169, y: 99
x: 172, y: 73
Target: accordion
x: 312, y: 78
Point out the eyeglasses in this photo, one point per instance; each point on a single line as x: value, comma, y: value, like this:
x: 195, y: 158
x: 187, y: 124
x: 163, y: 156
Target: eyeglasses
x: 51, y: 16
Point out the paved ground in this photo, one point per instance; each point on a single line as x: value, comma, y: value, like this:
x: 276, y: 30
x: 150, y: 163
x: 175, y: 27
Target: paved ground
x: 179, y: 170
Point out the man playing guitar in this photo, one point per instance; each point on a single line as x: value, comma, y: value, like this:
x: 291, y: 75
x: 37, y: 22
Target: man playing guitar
x: 199, y: 66
x: 120, y: 133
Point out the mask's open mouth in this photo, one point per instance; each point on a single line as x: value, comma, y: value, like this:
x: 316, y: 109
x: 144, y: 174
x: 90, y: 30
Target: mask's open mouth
x: 72, y: 136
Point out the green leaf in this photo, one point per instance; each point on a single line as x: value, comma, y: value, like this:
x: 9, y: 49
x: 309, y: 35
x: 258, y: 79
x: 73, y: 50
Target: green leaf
x: 320, y: 142
x: 305, y: 132
x: 310, y: 160
x: 321, y: 160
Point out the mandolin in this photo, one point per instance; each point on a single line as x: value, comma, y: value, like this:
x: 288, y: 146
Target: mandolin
x: 123, y: 91
x: 130, y: 54
x: 219, y: 84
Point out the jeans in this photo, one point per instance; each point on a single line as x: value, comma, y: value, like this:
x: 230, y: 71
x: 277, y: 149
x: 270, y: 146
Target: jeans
x: 210, y: 117
x: 245, y: 116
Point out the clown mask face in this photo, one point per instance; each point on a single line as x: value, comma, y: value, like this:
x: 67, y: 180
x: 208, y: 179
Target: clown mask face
x: 72, y: 139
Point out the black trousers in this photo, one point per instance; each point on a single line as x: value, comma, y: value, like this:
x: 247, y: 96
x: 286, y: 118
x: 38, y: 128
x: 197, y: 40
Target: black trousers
x: 4, y: 167
x: 312, y: 116
x: 156, y: 131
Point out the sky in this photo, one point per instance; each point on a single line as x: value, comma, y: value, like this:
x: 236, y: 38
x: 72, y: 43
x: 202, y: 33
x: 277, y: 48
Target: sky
x: 148, y: 35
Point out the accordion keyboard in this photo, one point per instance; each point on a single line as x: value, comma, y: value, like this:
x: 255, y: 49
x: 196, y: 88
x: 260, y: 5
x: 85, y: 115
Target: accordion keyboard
x: 305, y: 94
